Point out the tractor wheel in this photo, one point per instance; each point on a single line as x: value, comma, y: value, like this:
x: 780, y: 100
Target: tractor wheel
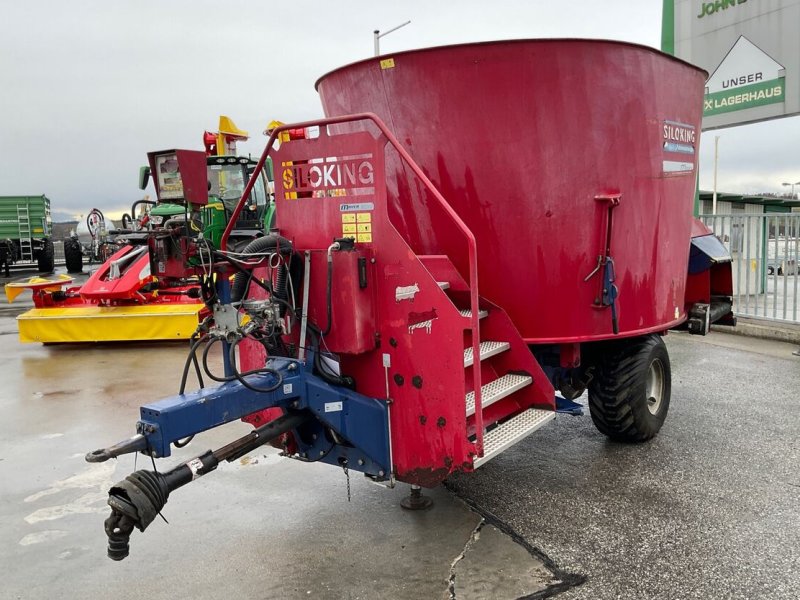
x: 629, y: 394
x: 46, y: 258
x: 73, y: 255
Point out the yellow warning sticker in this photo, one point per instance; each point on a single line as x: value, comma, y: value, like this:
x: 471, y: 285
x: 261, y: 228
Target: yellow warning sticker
x: 387, y: 63
x: 358, y: 225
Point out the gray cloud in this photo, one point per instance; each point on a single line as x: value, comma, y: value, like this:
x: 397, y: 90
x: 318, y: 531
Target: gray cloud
x: 88, y: 87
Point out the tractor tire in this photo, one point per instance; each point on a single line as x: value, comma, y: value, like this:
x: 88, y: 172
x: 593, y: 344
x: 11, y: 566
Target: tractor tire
x: 46, y: 261
x: 73, y: 255
x: 629, y: 394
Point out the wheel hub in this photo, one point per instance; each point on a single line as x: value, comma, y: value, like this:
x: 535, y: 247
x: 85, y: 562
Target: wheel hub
x: 655, y: 386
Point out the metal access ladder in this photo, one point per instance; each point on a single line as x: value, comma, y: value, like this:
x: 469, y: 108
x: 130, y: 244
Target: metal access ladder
x: 505, y: 422
x: 508, y: 431
x: 25, y: 241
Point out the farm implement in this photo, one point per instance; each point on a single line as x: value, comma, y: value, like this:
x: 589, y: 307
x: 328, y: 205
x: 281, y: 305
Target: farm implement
x: 452, y: 246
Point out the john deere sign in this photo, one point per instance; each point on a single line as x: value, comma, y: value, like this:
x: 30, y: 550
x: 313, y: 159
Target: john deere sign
x: 710, y: 8
x: 751, y: 49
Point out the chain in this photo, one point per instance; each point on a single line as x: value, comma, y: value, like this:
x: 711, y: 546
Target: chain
x: 347, y: 476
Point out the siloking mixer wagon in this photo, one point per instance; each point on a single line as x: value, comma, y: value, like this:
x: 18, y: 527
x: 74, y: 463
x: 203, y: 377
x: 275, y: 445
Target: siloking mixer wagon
x: 469, y: 229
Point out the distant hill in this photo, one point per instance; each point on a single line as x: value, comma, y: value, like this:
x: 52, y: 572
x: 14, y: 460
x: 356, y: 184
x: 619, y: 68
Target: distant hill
x: 62, y: 217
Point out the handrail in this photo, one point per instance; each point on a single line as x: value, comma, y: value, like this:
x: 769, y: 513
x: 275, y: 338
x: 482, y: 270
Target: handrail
x: 406, y: 157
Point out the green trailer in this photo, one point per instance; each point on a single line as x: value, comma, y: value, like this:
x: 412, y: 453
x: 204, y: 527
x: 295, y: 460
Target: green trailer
x: 25, y: 231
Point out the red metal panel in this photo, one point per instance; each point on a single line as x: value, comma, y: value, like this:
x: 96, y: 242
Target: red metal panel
x: 520, y: 137
x: 192, y: 168
x: 416, y: 349
x: 354, y: 329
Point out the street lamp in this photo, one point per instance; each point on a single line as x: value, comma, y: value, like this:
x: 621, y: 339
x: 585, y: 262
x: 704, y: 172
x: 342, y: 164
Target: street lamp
x: 716, y: 160
x: 378, y: 35
x: 792, y: 184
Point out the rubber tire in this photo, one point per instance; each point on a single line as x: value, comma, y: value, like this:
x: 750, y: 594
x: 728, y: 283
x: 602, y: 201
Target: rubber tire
x: 46, y: 259
x: 617, y: 401
x: 770, y: 270
x: 73, y: 255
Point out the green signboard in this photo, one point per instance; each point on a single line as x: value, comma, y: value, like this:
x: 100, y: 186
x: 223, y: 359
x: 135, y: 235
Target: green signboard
x: 748, y: 96
x: 751, y: 50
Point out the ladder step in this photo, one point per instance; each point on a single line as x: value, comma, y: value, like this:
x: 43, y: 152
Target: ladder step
x: 497, y: 390
x: 487, y: 349
x: 445, y: 285
x: 512, y: 431
x: 468, y: 313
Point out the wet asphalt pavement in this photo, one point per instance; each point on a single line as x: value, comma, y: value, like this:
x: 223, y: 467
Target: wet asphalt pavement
x: 708, y: 509
x: 261, y: 527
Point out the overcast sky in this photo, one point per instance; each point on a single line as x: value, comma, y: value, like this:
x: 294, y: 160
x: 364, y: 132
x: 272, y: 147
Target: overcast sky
x: 88, y: 87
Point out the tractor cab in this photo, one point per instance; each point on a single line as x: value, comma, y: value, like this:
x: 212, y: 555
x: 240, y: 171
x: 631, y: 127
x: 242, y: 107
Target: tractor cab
x: 203, y: 190
x: 227, y: 178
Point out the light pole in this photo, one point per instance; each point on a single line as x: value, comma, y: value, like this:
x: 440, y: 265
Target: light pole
x: 378, y: 35
x: 792, y: 184
x: 716, y: 160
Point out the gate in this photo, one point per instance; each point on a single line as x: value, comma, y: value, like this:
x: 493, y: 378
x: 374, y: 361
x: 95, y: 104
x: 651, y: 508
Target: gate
x: 766, y: 262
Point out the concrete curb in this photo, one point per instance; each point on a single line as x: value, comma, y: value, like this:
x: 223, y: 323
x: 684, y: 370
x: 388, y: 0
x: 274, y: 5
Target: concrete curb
x: 767, y: 330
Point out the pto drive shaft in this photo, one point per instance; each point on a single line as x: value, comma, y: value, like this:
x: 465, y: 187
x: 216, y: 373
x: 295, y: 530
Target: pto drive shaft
x: 136, y: 500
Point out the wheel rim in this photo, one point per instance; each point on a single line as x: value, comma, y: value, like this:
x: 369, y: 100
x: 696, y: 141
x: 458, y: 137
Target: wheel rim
x: 655, y: 386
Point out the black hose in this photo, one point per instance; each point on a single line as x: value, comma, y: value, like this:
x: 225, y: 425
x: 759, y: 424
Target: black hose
x: 137, y: 203
x: 183, y: 443
x: 272, y: 241
x: 210, y: 343
x: 240, y: 376
x: 89, y: 218
x: 321, y: 369
x: 192, y: 357
x: 329, y: 304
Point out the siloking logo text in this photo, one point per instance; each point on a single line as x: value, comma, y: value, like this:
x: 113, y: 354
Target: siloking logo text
x: 331, y: 174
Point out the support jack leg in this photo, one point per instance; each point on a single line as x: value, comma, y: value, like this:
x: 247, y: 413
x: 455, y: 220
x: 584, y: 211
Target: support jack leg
x: 415, y: 500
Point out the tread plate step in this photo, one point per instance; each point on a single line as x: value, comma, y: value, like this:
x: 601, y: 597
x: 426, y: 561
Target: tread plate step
x: 512, y: 431
x: 497, y: 390
x: 486, y: 350
x: 468, y: 313
x: 445, y: 285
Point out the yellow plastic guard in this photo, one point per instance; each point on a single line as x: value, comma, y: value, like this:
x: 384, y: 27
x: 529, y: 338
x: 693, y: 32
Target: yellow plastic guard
x: 109, y: 324
x: 15, y: 288
x: 229, y: 128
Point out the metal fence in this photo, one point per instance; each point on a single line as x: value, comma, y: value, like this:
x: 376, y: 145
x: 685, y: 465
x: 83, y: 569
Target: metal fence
x: 766, y: 262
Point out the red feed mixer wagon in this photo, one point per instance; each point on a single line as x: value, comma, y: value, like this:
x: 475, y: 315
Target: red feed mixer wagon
x: 470, y: 229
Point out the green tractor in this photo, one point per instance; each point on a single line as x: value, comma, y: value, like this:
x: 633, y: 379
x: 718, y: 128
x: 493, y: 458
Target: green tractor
x: 179, y: 194
x: 227, y: 177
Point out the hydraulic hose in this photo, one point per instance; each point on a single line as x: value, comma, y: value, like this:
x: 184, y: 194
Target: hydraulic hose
x: 240, y: 377
x: 272, y: 241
